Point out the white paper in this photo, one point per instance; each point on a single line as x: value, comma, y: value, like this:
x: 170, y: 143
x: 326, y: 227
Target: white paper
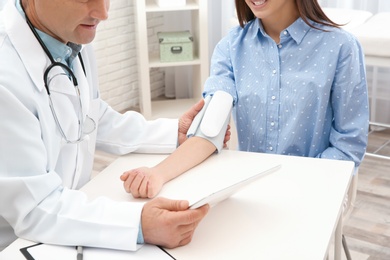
x: 50, y: 252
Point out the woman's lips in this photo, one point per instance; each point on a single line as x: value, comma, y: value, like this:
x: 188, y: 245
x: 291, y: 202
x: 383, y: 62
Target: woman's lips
x: 257, y: 3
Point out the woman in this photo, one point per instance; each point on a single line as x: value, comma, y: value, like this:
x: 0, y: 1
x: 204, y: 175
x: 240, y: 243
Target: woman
x: 298, y: 84
x: 297, y: 80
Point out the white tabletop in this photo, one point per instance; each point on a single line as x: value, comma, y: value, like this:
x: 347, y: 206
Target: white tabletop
x: 289, y: 214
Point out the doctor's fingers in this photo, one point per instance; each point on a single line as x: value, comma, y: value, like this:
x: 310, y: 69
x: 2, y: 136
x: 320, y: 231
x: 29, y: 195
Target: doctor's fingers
x: 190, y: 114
x: 187, y: 237
x: 186, y: 119
x: 188, y: 218
x: 227, y: 136
x: 186, y: 232
x: 179, y: 238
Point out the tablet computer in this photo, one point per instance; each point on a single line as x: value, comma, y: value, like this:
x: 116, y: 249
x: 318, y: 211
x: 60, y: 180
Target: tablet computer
x: 224, y: 193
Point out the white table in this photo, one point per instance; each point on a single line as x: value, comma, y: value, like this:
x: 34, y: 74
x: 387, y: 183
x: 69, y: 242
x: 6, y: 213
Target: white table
x: 290, y: 214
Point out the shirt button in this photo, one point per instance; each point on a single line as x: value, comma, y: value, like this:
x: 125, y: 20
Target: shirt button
x: 285, y: 32
x: 274, y: 71
x: 280, y: 46
x: 273, y: 97
x: 58, y: 59
x: 271, y: 148
x: 272, y: 124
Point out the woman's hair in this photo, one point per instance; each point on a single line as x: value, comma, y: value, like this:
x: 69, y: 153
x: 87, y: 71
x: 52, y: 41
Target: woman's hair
x: 308, y: 10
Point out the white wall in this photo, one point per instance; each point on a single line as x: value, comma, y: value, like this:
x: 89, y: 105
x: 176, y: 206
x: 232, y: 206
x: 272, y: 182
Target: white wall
x: 373, y: 6
x: 116, y: 52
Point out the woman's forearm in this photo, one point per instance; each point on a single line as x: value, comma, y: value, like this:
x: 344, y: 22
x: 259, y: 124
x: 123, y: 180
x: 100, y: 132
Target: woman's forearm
x: 192, y: 152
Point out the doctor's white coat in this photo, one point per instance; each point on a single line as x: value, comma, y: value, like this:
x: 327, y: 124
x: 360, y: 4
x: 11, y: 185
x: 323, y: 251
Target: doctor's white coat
x: 39, y: 173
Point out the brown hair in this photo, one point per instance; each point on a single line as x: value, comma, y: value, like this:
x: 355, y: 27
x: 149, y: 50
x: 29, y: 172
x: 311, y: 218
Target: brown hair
x: 308, y: 10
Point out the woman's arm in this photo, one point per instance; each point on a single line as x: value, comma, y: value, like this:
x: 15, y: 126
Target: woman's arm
x: 147, y: 182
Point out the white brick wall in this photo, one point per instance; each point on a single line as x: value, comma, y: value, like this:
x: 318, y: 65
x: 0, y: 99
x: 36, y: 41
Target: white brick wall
x: 116, y: 55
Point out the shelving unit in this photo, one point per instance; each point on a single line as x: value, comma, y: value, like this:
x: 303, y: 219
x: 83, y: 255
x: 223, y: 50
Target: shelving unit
x: 148, y: 59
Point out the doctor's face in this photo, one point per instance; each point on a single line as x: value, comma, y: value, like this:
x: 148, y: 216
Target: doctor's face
x: 67, y: 20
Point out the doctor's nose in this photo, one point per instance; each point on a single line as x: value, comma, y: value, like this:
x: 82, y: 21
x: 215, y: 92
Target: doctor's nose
x: 99, y: 9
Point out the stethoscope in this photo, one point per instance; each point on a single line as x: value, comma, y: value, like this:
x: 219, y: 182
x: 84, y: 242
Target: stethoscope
x: 86, y: 126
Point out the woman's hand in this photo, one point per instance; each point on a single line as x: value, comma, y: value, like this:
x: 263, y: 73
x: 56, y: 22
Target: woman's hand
x: 142, y: 182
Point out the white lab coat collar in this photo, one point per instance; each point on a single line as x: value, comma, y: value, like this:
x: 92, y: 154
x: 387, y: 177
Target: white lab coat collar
x: 28, y: 48
x: 33, y: 56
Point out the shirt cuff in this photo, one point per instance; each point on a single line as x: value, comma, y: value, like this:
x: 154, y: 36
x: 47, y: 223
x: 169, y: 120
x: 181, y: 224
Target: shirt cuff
x: 140, y: 239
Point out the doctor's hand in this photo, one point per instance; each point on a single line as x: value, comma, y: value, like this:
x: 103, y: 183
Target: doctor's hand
x: 186, y: 119
x: 142, y: 182
x: 169, y: 223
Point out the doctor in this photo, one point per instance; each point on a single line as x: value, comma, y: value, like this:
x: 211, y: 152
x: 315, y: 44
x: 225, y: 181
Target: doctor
x: 51, y: 119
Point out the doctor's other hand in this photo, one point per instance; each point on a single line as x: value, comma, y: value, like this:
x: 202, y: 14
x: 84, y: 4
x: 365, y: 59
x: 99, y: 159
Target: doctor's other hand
x: 142, y: 182
x: 169, y: 223
x: 227, y: 136
x: 186, y: 119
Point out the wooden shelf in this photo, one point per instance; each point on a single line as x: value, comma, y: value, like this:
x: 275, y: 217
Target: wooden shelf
x: 154, y: 62
x: 147, y: 59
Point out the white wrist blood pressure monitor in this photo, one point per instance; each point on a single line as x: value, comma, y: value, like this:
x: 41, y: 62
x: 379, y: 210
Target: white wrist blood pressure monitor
x: 211, y: 122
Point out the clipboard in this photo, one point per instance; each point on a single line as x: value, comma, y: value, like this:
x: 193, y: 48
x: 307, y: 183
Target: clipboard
x: 224, y: 193
x: 25, y: 252
x: 42, y: 251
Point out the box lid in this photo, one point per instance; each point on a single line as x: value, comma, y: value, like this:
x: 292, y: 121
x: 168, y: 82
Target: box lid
x: 174, y: 37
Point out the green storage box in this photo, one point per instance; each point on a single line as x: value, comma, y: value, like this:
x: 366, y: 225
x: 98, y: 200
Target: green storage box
x: 176, y: 46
